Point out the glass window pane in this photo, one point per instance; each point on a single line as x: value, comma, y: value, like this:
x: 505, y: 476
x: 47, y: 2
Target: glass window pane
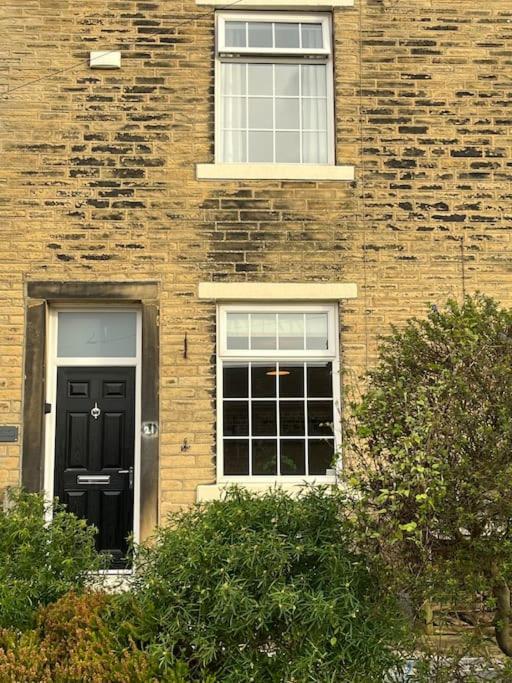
x: 314, y: 148
x: 291, y: 330
x: 261, y: 112
x: 321, y: 455
x: 263, y: 381
x: 236, y: 457
x: 261, y: 147
x: 293, y: 461
x: 263, y: 331
x: 287, y: 79
x: 314, y: 80
x: 319, y: 380
x: 312, y: 35
x: 287, y: 35
x: 320, y: 418
x: 291, y: 418
x: 314, y: 114
x: 264, y: 420
x: 97, y: 334
x: 237, y: 331
x: 291, y: 381
x: 234, y: 112
x: 317, y: 337
x: 260, y: 79
x: 234, y: 146
x: 287, y: 113
x: 235, y: 34
x: 234, y: 79
x: 236, y: 418
x: 260, y: 34
x: 288, y: 148
x: 264, y: 457
x: 235, y: 381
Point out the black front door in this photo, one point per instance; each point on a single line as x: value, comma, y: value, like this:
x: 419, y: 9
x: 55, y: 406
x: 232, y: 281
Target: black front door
x: 94, y: 451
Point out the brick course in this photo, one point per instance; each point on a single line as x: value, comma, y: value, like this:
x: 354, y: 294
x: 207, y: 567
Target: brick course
x: 98, y: 182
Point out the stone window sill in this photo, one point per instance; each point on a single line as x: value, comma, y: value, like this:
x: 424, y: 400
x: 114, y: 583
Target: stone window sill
x: 305, y: 172
x: 280, y: 4
x: 208, y: 492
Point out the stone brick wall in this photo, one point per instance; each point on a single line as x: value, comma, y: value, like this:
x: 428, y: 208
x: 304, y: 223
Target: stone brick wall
x: 98, y: 182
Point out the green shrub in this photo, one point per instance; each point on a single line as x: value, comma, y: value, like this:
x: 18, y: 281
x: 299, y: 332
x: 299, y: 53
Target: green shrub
x: 263, y: 588
x: 40, y: 560
x: 74, y: 643
x: 431, y: 443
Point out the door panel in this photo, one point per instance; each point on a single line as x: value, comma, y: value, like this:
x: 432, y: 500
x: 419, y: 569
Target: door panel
x: 94, y: 451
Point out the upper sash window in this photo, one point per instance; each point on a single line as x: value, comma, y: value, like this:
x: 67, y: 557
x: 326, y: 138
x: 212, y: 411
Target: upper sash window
x: 274, y: 88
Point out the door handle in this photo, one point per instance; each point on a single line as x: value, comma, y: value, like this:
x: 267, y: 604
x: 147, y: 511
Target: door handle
x: 129, y: 472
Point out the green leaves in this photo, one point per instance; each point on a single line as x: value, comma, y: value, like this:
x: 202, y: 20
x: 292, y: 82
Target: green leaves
x: 431, y: 442
x: 40, y: 560
x: 264, y: 588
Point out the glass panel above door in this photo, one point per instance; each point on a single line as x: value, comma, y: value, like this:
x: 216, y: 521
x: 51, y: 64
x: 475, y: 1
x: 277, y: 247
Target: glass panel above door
x: 97, y: 334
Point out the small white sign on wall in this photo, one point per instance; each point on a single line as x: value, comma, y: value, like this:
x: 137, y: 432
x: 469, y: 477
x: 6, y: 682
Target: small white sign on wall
x: 105, y: 59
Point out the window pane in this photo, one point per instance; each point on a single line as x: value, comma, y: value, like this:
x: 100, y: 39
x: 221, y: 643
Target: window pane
x: 317, y: 337
x: 320, y: 417
x: 312, y: 35
x: 291, y: 418
x: 236, y: 381
x: 291, y: 330
x: 261, y: 147
x: 236, y: 457
x: 314, y: 114
x: 291, y: 381
x: 260, y: 34
x: 235, y: 34
x: 236, y: 418
x: 264, y: 457
x: 260, y: 79
x: 314, y: 148
x: 287, y: 148
x: 287, y: 35
x: 234, y: 146
x: 97, y: 334
x: 237, y: 331
x: 263, y: 381
x: 319, y: 380
x: 264, y: 422
x: 261, y: 112
x: 234, y: 79
x: 287, y: 113
x: 234, y: 112
x: 263, y: 331
x: 314, y: 81
x: 293, y: 461
x: 321, y: 455
x: 287, y: 79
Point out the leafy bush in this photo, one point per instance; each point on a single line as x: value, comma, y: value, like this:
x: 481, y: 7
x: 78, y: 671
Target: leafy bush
x: 263, y: 588
x: 73, y: 642
x: 432, y: 467
x: 40, y: 560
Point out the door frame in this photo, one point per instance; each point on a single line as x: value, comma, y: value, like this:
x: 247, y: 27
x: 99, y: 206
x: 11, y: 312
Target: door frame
x: 39, y: 296
x: 52, y: 365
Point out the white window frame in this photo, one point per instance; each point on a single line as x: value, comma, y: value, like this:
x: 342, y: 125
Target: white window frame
x: 53, y: 362
x: 232, y: 356
x: 283, y: 18
x: 272, y: 56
